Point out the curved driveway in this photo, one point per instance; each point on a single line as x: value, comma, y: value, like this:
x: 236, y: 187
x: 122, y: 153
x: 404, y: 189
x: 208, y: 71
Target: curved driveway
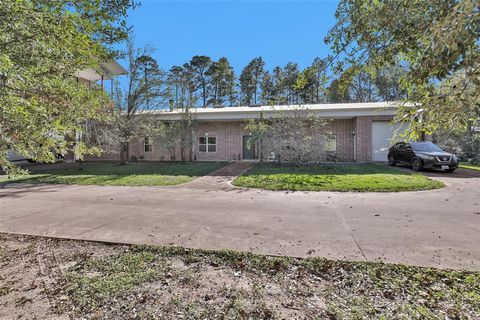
x: 438, y: 228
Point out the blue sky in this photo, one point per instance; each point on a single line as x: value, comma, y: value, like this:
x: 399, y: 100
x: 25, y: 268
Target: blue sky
x: 279, y: 31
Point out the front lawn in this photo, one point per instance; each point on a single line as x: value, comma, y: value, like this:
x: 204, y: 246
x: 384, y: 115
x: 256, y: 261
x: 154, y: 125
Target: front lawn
x: 335, y: 177
x: 467, y: 165
x: 113, y: 174
x: 50, y: 278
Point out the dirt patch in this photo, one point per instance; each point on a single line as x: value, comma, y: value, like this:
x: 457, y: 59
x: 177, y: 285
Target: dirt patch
x: 42, y: 278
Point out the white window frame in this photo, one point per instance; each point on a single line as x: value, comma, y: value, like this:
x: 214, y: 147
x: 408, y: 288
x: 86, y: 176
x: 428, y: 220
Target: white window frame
x: 326, y: 145
x: 147, y: 142
x: 207, y: 144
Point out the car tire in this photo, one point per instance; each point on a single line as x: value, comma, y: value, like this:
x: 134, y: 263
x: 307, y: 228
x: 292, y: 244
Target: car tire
x: 417, y: 164
x: 449, y: 170
x: 391, y: 162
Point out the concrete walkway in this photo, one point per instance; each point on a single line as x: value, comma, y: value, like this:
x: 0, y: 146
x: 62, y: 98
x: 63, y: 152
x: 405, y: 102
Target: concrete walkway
x: 438, y: 228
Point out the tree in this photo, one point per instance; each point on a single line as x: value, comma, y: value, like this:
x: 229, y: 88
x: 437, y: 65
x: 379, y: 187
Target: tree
x: 305, y: 86
x: 291, y: 74
x: 135, y: 104
x: 199, y: 65
x: 278, y: 92
x: 465, y: 144
x: 336, y: 94
x: 362, y: 88
x: 319, y: 66
x: 436, y: 40
x: 291, y: 136
x: 175, y: 83
x: 387, y: 81
x: 170, y: 137
x: 250, y: 80
x: 43, y: 44
x: 267, y: 87
x: 181, y: 81
x: 177, y: 136
x: 222, y: 78
x: 147, y: 66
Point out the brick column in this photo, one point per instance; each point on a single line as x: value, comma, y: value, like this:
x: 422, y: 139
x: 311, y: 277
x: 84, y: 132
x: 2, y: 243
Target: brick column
x: 363, y: 131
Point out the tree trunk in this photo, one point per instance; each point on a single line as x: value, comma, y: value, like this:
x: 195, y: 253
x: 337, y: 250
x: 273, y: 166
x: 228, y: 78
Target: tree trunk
x: 124, y: 153
x: 204, y: 94
x: 190, y: 151
x: 260, y: 151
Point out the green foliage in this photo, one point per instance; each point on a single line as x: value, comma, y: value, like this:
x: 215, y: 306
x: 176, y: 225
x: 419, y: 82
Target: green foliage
x: 310, y: 85
x: 259, y: 130
x: 134, y: 105
x: 291, y: 73
x: 437, y: 41
x: 222, y: 82
x: 289, y: 135
x: 179, y: 86
x: 199, y: 66
x: 354, y: 177
x: 250, y: 80
x: 43, y: 44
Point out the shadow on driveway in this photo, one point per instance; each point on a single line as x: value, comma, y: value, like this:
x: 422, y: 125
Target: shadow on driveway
x: 17, y: 190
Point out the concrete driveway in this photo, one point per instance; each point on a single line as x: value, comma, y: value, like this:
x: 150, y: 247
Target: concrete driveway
x: 438, y: 228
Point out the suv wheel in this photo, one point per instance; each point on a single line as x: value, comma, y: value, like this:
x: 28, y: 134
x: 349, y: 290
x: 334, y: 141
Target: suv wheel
x: 416, y: 164
x: 449, y: 170
x: 391, y: 162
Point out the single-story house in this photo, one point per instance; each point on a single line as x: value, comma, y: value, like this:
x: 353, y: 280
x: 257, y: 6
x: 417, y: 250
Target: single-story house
x: 359, y: 132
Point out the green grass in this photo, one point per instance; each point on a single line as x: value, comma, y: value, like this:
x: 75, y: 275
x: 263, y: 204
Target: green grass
x: 113, y: 174
x: 104, y: 278
x: 467, y: 165
x: 339, y: 177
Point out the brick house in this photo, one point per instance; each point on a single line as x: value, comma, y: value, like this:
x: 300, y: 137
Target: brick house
x: 357, y: 132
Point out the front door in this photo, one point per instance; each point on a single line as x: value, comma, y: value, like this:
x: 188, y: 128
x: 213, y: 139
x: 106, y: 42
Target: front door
x: 248, y: 154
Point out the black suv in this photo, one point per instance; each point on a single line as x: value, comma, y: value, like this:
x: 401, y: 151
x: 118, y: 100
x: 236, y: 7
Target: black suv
x: 421, y: 155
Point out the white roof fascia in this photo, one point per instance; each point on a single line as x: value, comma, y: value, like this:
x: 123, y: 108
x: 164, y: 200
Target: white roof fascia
x: 334, y: 111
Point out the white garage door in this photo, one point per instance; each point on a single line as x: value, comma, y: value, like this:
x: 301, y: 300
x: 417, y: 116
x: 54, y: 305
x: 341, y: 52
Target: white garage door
x: 382, y: 135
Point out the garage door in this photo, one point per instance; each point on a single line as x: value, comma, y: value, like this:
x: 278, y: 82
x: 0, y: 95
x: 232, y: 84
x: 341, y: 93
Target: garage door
x: 382, y: 135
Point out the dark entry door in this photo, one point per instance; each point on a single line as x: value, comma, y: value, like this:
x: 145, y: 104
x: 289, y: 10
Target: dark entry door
x: 248, y: 154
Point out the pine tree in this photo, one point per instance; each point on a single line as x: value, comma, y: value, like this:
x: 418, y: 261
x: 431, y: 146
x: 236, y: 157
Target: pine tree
x: 250, y: 80
x: 222, y: 80
x: 279, y: 91
x: 199, y: 66
x: 291, y: 75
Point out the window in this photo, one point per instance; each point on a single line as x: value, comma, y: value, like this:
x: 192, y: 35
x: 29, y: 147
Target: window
x: 330, y: 143
x: 207, y: 144
x: 425, y: 146
x: 147, y: 144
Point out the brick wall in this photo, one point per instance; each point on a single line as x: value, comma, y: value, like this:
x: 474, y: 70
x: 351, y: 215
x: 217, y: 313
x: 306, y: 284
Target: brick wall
x: 229, y: 139
x: 342, y: 129
x: 229, y: 135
